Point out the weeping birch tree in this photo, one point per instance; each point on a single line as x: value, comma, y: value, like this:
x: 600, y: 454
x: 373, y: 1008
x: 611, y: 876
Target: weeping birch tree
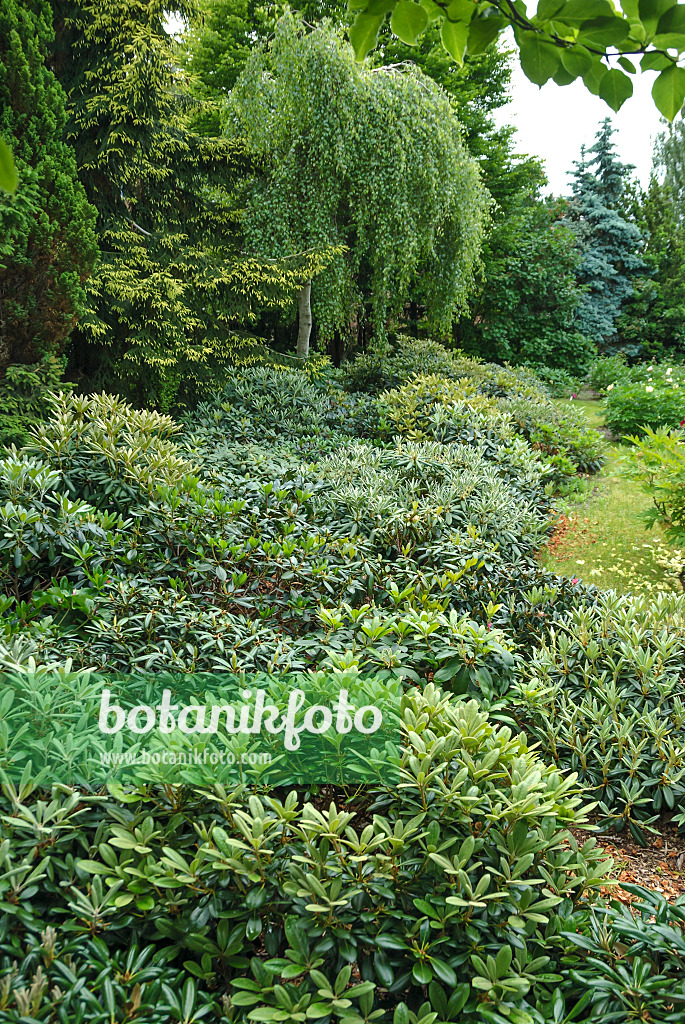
x: 369, y: 159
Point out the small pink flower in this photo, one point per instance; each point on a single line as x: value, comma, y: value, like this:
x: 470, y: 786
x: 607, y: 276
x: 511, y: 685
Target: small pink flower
x: 574, y: 395
x: 681, y: 422
x: 574, y: 580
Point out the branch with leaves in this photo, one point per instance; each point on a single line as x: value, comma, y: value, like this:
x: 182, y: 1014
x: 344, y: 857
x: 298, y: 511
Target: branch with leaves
x: 563, y: 41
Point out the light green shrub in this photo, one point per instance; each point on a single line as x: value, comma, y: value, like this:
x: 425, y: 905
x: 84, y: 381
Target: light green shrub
x: 109, y: 453
x: 650, y: 396
x: 658, y: 462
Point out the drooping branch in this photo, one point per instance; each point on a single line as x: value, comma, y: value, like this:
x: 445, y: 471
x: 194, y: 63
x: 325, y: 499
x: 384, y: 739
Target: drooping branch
x: 148, y: 234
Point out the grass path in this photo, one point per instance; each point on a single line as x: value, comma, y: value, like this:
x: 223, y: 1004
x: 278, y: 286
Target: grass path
x: 601, y: 539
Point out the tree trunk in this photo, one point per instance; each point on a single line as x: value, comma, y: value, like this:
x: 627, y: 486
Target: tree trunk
x: 414, y: 319
x: 304, y: 329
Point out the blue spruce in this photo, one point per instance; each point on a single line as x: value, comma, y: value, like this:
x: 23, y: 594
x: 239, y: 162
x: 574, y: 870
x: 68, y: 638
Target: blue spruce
x: 609, y: 242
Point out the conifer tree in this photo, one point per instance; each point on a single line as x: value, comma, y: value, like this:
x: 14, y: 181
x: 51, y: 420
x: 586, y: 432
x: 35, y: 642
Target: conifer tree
x: 47, y: 237
x: 610, y: 244
x: 174, y: 291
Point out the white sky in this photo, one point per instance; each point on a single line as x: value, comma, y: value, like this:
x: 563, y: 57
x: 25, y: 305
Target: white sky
x: 554, y: 121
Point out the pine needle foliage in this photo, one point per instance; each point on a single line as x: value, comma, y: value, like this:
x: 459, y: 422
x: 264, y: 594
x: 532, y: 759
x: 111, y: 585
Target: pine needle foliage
x: 176, y: 292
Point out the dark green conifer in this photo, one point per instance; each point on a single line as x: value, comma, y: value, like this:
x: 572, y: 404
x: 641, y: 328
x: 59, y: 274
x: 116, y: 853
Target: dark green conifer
x: 47, y: 238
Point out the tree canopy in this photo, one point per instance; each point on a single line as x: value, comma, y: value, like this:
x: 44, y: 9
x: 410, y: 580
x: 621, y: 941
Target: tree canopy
x: 653, y: 321
x: 328, y: 137
x: 175, y: 290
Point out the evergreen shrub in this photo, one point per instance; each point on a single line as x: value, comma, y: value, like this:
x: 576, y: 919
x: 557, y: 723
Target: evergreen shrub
x: 438, y: 904
x: 605, y: 697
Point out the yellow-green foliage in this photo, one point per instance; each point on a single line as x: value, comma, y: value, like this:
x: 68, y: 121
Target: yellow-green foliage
x: 178, y: 291
x: 409, y: 410
x: 105, y: 448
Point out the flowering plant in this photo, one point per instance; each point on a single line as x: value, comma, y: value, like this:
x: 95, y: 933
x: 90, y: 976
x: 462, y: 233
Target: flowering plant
x: 650, y: 396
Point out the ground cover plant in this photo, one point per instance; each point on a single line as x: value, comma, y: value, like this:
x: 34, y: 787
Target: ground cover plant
x: 392, y: 533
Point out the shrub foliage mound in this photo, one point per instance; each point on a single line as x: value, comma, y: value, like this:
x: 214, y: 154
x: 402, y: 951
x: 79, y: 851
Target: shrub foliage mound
x: 435, y: 901
x: 301, y: 522
x: 604, y: 696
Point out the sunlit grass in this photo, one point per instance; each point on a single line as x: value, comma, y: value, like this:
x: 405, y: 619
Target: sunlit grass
x: 606, y: 542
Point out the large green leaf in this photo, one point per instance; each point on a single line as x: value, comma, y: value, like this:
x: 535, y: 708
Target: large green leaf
x: 593, y: 78
x: 483, y: 32
x: 582, y: 10
x: 548, y: 8
x: 408, y: 21
x: 422, y: 973
x: 672, y: 21
x: 364, y: 33
x: 577, y: 60
x: 379, y: 7
x: 631, y: 9
x: 432, y: 10
x: 603, y: 32
x: 461, y: 10
x: 673, y: 41
x: 615, y: 88
x: 454, y: 35
x: 655, y: 62
x: 563, y: 77
x: 651, y: 11
x: 670, y: 31
x: 668, y: 91
x: 539, y: 58
x: 8, y: 174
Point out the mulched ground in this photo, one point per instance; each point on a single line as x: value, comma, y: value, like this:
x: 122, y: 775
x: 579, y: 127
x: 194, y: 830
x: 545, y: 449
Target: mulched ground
x: 557, y: 543
x: 570, y: 535
x: 660, y: 865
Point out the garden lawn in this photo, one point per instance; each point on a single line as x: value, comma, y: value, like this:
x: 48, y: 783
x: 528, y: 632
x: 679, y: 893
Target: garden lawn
x: 602, y: 539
